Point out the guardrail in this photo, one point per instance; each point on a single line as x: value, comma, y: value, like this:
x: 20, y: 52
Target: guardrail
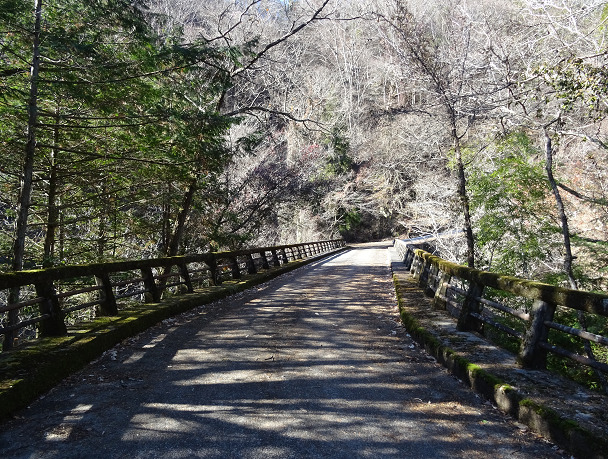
x: 49, y: 296
x: 460, y: 290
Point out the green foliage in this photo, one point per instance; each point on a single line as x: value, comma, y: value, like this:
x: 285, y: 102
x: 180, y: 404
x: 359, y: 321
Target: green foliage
x: 497, y: 336
x: 124, y: 110
x: 350, y: 220
x: 582, y: 374
x: 467, y: 155
x: 339, y: 161
x: 579, y: 83
x: 509, y: 200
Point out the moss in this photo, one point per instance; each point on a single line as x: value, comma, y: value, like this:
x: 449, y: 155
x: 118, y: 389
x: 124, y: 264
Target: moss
x: 564, y: 432
x: 555, y: 421
x: 541, y: 410
x: 33, y: 369
x: 474, y: 370
x: 464, y: 363
x: 489, y: 378
x: 505, y: 388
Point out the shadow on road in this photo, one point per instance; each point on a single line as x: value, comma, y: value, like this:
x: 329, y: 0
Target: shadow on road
x: 313, y: 364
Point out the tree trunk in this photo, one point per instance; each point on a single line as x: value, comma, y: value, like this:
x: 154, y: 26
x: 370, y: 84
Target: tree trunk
x: 464, y: 201
x: 104, y: 218
x: 568, y: 257
x: 53, y: 209
x: 182, y: 218
x: 25, y: 192
x: 172, y: 249
x: 561, y: 212
x: 166, y: 223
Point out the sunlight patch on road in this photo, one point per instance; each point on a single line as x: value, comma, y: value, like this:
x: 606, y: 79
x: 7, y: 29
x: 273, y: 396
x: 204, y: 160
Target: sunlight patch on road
x: 64, y: 431
x: 155, y: 341
x: 231, y: 377
x: 134, y: 357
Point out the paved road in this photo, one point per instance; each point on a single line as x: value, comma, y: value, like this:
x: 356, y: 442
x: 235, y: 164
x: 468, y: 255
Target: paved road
x: 312, y: 364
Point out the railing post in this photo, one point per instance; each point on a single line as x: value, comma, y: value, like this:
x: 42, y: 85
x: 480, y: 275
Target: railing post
x: 416, y: 266
x: 298, y: 252
x: 265, y: 264
x: 440, y: 301
x: 215, y: 278
x: 283, y: 255
x: 432, y: 279
x: 423, y: 275
x: 531, y: 354
x: 54, y: 325
x: 250, y: 264
x: 470, y: 305
x: 409, y: 258
x: 275, y: 258
x: 234, y: 266
x: 185, y: 275
x: 12, y: 319
x: 107, y: 300
x: 152, y: 294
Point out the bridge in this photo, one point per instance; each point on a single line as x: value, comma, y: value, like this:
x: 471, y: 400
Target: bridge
x: 313, y: 363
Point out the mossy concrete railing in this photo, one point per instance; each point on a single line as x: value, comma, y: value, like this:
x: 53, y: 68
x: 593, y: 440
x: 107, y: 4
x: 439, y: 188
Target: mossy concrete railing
x: 461, y: 290
x: 49, y: 296
x: 33, y: 368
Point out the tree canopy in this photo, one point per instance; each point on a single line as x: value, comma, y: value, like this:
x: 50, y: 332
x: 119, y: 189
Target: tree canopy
x: 163, y: 126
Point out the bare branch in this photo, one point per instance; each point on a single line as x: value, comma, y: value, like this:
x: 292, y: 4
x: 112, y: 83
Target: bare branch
x: 278, y: 41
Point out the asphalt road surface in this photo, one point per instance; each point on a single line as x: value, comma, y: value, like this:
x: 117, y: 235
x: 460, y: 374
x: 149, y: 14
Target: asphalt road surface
x: 311, y: 364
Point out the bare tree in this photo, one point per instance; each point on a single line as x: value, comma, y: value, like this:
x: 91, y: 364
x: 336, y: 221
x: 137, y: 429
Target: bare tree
x: 449, y: 65
x: 254, y: 33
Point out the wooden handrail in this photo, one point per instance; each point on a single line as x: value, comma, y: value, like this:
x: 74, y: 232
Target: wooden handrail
x: 436, y: 276
x: 50, y: 315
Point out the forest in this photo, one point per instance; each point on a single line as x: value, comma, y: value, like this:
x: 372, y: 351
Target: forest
x: 143, y: 128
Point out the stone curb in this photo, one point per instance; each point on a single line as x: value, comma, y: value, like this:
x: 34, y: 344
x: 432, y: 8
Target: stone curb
x: 31, y: 371
x: 566, y: 433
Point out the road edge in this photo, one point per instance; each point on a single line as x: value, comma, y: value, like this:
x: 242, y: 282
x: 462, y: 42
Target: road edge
x: 566, y: 433
x: 30, y: 371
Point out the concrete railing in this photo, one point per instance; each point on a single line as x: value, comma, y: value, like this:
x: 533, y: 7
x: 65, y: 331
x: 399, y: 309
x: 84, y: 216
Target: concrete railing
x: 461, y: 290
x: 50, y: 296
